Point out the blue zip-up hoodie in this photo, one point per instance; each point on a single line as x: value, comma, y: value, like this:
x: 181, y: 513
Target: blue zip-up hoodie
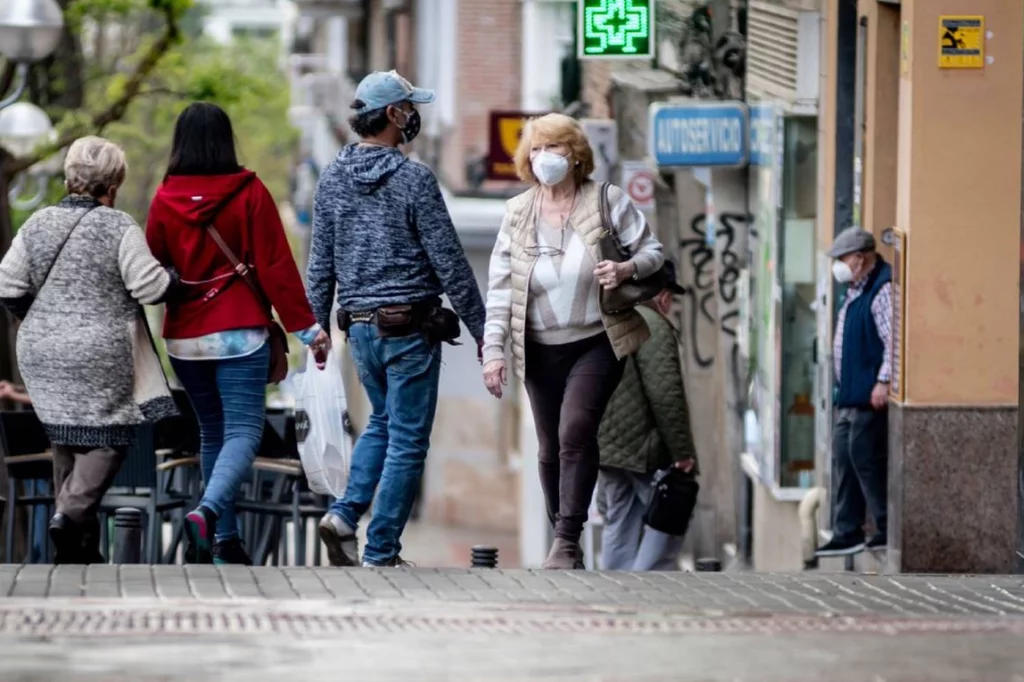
x: 383, y: 236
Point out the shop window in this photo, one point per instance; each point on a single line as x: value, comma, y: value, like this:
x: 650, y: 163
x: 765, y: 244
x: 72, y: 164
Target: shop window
x: 797, y: 265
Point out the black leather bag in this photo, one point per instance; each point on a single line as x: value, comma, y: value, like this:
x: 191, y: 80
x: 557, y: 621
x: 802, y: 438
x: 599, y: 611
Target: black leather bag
x: 672, y: 503
x: 632, y: 292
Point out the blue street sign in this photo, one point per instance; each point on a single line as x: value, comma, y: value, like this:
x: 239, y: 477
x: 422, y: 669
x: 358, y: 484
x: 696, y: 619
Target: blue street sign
x: 765, y: 134
x: 698, y: 134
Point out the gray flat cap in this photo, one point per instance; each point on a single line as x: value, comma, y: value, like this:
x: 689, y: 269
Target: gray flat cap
x: 851, y: 240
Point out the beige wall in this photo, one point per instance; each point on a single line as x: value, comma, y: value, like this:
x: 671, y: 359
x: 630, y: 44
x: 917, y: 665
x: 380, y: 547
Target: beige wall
x: 827, y: 129
x: 881, y: 103
x: 776, y: 533
x: 959, y: 179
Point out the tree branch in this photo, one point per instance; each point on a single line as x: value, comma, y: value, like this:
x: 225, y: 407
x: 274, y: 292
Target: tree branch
x: 149, y: 92
x: 116, y: 110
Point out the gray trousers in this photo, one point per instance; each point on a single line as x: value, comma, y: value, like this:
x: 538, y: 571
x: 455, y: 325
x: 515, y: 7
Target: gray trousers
x: 860, y: 470
x: 626, y: 543
x: 81, y: 476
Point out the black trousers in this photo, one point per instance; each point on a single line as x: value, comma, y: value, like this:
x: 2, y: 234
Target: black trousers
x: 860, y: 470
x: 569, y: 387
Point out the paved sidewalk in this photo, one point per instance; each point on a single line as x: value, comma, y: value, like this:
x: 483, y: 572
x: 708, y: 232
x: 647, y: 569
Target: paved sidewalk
x: 202, y: 622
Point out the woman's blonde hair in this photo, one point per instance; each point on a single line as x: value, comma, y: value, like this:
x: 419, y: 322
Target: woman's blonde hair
x: 554, y: 129
x: 93, y: 165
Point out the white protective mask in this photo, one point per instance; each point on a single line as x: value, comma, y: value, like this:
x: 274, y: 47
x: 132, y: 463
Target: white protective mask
x: 842, y: 272
x: 550, y: 168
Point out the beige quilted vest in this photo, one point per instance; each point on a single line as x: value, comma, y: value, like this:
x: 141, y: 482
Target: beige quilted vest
x: 627, y: 331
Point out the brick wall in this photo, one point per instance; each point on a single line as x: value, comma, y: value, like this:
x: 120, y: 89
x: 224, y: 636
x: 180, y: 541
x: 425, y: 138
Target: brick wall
x: 597, y: 78
x: 489, y: 77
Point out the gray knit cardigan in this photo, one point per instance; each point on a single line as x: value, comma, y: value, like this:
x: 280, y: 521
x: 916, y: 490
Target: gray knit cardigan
x: 84, y: 347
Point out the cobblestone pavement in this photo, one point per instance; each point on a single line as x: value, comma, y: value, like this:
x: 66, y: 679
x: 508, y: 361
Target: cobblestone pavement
x: 232, y: 623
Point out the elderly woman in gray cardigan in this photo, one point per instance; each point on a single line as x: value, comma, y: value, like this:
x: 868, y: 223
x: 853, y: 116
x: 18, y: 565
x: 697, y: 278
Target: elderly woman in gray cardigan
x: 76, y: 274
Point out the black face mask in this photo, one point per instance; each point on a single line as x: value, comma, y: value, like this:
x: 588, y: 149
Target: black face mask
x: 411, y: 128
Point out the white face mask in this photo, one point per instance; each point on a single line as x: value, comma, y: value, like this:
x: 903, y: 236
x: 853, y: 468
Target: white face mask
x: 550, y: 168
x: 842, y: 272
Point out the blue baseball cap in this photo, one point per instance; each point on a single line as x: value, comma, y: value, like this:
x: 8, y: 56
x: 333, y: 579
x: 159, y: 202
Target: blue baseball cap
x: 384, y: 88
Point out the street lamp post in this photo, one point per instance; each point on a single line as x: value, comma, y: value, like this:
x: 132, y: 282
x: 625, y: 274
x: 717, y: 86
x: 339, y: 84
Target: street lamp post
x: 30, y: 30
x: 23, y: 127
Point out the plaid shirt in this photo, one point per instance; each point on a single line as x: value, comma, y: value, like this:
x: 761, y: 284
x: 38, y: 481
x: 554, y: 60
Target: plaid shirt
x: 881, y: 311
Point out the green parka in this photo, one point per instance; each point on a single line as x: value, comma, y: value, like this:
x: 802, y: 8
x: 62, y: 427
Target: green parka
x: 646, y: 426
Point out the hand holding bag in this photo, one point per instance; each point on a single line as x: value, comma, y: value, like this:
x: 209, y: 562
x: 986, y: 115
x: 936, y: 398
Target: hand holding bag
x: 322, y: 427
x: 632, y: 292
x: 672, y: 503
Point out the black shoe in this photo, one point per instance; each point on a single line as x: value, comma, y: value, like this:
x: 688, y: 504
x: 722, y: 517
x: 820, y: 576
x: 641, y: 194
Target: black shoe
x: 200, y: 524
x: 840, y: 547
x: 67, y: 540
x: 91, y: 543
x: 878, y: 543
x: 231, y: 551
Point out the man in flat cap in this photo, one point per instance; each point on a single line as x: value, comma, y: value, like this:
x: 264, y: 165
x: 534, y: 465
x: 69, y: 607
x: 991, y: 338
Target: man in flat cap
x: 861, y: 353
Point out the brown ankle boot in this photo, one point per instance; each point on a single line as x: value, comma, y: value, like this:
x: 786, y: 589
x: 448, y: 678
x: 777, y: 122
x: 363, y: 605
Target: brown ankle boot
x: 565, y: 555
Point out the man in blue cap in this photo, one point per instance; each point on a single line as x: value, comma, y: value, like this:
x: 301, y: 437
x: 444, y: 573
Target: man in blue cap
x: 384, y: 243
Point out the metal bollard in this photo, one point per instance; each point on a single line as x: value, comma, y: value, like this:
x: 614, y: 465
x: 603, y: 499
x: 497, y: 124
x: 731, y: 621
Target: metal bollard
x: 708, y: 565
x: 127, y: 536
x: 485, y: 557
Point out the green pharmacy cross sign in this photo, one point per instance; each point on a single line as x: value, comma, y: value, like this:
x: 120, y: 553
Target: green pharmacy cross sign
x: 616, y: 29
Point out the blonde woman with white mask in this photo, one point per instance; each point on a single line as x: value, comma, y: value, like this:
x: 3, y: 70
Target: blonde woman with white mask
x: 546, y: 275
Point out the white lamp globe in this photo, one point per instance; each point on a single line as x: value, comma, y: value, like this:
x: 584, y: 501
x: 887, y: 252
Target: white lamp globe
x: 23, y: 127
x: 30, y: 30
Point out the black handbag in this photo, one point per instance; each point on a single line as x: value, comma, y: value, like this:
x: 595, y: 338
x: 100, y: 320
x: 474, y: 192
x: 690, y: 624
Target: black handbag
x: 632, y: 292
x: 672, y: 503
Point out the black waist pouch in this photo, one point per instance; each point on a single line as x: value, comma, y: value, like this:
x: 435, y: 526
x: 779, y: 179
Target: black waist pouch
x: 397, y: 320
x: 441, y: 324
x: 673, y: 502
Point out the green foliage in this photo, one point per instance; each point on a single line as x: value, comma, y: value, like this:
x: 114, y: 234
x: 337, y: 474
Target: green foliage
x: 245, y: 79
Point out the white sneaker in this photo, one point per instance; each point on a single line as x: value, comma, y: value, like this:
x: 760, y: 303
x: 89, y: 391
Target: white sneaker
x: 340, y: 540
x: 397, y: 562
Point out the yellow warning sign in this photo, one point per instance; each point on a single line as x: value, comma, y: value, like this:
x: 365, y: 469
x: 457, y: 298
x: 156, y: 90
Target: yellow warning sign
x: 961, y: 42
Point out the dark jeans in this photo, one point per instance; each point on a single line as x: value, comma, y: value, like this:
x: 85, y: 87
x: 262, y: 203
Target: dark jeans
x: 860, y: 468
x: 569, y: 387
x: 229, y: 399
x: 400, y: 375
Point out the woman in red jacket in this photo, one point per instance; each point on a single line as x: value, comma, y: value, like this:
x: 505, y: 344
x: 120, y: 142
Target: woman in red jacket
x: 217, y: 333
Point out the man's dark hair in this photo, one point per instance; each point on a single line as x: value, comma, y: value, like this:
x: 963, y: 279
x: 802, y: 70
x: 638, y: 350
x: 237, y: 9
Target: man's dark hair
x: 368, y: 123
x: 204, y: 142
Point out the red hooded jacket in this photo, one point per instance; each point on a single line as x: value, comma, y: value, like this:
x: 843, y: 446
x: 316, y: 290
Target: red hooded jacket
x: 251, y: 226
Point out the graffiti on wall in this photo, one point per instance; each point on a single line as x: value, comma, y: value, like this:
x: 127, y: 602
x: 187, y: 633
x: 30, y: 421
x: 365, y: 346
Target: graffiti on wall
x: 712, y: 288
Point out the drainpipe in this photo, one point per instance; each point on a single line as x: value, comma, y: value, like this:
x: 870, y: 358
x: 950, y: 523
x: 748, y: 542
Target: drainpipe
x: 808, y: 514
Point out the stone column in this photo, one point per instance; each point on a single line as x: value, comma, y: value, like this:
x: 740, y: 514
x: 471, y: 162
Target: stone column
x: 954, y: 461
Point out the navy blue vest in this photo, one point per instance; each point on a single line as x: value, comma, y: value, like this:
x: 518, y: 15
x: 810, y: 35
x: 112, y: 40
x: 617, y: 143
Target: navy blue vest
x: 863, y: 349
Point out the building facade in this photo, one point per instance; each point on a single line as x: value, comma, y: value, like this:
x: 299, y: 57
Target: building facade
x: 224, y: 20
x: 934, y: 147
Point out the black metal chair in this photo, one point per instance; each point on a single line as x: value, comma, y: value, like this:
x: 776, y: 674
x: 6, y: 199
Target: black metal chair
x: 276, y: 493
x: 25, y: 448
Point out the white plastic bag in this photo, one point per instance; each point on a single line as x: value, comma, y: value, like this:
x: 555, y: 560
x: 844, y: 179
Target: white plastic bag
x: 324, y: 446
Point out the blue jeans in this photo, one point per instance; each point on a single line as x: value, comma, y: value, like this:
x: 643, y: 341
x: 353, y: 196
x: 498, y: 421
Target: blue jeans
x: 400, y: 375
x: 229, y: 399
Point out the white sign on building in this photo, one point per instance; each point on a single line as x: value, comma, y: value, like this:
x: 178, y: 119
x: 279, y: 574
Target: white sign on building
x: 639, y: 182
